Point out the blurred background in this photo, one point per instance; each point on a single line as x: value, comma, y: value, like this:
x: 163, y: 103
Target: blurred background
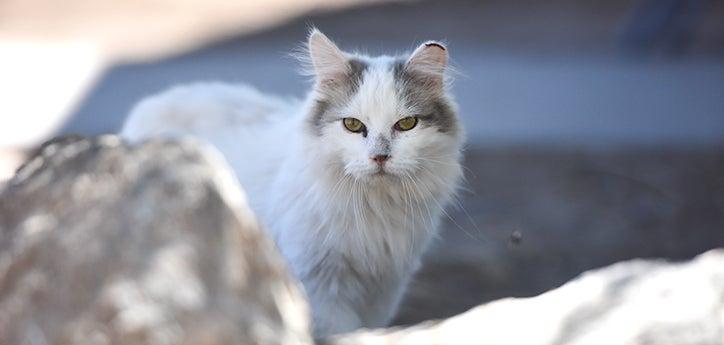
x: 596, y: 128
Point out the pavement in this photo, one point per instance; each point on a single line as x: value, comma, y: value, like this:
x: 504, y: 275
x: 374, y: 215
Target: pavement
x: 577, y: 90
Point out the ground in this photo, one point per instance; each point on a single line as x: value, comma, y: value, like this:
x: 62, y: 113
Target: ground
x: 579, y: 154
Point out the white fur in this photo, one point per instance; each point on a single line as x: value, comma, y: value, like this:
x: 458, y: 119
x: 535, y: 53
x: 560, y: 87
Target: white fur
x: 352, y: 237
x: 326, y: 60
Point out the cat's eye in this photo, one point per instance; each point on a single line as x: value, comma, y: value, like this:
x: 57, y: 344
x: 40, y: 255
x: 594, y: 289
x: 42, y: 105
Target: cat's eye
x: 406, y: 124
x: 353, y: 125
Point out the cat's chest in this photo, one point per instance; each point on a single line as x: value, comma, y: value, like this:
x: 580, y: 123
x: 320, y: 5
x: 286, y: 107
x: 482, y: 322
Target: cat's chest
x: 371, y: 229
x: 385, y: 232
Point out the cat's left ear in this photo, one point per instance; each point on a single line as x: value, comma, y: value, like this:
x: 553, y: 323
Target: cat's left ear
x: 430, y: 60
x: 329, y: 62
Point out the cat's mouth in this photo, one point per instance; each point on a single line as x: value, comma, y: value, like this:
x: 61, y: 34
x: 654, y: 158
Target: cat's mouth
x: 381, y: 172
x: 378, y: 173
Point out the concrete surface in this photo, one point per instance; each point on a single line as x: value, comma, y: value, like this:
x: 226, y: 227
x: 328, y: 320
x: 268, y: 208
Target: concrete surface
x: 559, y: 80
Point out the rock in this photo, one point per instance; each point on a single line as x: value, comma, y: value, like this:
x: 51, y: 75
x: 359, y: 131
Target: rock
x: 633, y: 302
x: 103, y: 243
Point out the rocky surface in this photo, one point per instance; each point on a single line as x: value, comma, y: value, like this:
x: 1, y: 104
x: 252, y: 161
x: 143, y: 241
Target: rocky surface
x: 104, y: 243
x: 101, y: 243
x: 634, y: 302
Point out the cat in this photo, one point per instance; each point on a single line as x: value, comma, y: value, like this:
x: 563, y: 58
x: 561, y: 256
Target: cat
x: 351, y: 182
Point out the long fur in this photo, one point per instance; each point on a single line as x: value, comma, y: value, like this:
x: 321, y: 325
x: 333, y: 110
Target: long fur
x: 351, y: 235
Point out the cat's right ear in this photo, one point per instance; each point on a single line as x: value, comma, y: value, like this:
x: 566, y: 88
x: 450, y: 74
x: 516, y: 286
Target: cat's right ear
x: 429, y: 60
x: 328, y: 61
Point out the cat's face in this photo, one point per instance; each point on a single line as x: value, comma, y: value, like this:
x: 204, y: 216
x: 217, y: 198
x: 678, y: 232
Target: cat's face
x: 383, y: 117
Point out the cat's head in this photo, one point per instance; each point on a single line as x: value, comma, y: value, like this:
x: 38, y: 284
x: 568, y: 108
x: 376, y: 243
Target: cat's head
x: 382, y: 117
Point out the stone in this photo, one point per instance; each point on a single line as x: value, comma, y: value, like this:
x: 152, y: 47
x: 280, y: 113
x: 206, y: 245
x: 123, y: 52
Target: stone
x: 636, y: 302
x: 106, y: 243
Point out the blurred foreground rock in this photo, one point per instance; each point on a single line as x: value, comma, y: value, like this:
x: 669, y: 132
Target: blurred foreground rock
x: 633, y: 302
x: 102, y: 243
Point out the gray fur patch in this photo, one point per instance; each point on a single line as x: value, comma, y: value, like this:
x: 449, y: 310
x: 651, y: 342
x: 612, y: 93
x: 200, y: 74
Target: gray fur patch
x: 381, y: 146
x: 335, y: 92
x: 442, y: 116
x: 357, y: 69
x: 317, y: 114
x: 423, y: 92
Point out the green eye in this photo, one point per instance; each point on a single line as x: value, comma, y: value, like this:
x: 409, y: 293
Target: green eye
x: 406, y: 124
x: 353, y: 125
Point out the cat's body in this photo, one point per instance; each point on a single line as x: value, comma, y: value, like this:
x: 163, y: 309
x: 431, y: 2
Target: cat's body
x: 351, y: 211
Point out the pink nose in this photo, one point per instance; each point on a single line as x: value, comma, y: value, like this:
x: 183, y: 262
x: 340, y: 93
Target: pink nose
x: 380, y: 159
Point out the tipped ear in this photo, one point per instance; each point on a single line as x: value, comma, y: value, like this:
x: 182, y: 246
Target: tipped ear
x: 329, y: 62
x: 430, y: 59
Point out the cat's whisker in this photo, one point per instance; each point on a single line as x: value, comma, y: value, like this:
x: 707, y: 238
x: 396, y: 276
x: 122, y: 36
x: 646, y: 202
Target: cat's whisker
x: 442, y: 209
x: 427, y: 159
x: 339, y: 186
x: 409, y: 210
x: 464, y: 177
x: 412, y: 201
x: 359, y: 210
x: 405, y: 200
x: 421, y: 200
x: 456, y: 201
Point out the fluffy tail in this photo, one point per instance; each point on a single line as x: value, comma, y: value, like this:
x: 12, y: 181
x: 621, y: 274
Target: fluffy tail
x: 203, y: 110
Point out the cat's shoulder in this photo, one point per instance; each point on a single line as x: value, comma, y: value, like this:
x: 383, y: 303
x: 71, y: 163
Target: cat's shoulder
x: 202, y: 107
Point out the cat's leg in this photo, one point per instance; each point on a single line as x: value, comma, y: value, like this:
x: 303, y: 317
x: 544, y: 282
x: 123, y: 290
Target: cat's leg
x: 343, y: 301
x: 333, y: 316
x: 347, y: 309
x: 336, y: 296
x: 382, y: 307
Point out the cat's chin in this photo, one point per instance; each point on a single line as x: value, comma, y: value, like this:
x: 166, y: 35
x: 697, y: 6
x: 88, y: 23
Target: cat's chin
x: 378, y: 179
x: 381, y: 176
x: 374, y: 176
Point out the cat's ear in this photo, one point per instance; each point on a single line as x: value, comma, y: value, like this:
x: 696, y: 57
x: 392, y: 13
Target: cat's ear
x: 429, y: 60
x: 328, y: 61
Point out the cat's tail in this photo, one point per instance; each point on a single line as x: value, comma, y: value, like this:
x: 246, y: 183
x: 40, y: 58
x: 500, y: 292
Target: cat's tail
x: 204, y: 110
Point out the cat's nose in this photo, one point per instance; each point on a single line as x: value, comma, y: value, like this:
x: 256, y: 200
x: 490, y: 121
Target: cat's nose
x: 380, y: 159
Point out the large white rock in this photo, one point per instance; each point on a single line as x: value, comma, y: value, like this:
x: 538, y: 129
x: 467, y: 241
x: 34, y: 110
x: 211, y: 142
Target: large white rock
x: 635, y: 302
x: 103, y: 243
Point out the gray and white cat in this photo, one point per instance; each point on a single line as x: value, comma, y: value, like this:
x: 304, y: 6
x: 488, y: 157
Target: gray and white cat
x: 351, y: 183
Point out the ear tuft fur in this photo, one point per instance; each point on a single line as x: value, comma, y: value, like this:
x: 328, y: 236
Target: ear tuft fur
x: 429, y: 58
x: 435, y: 44
x: 326, y: 59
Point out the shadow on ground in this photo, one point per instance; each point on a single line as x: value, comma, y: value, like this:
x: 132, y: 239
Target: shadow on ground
x: 534, y: 219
